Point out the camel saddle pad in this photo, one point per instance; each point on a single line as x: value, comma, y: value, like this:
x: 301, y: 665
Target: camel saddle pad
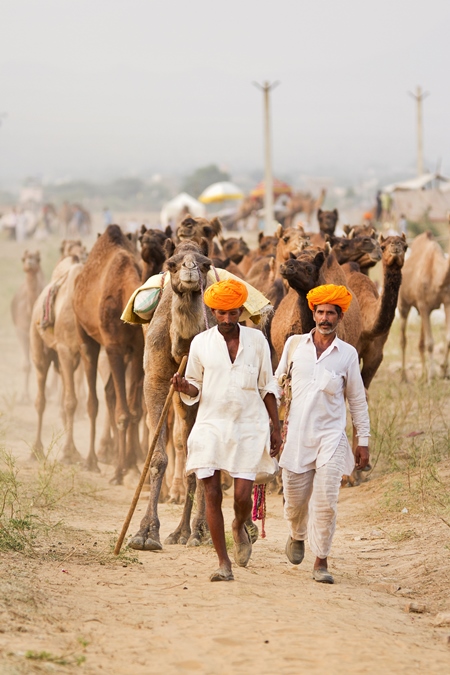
x: 255, y: 305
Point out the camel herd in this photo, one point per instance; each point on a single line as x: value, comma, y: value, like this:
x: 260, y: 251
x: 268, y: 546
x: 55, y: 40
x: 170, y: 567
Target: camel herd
x: 76, y: 318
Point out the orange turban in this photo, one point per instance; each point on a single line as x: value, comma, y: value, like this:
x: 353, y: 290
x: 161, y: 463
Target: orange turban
x: 226, y: 294
x: 329, y: 294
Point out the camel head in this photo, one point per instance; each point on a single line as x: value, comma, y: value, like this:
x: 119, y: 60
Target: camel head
x: 234, y: 248
x: 356, y: 230
x: 302, y: 272
x: 290, y: 240
x: 267, y: 245
x: 153, y: 249
x: 327, y: 221
x: 196, y: 229
x: 31, y: 261
x: 188, y: 267
x: 74, y: 248
x: 393, y: 250
x: 364, y: 250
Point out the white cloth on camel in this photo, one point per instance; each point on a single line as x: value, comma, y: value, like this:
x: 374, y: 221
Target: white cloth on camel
x: 231, y: 431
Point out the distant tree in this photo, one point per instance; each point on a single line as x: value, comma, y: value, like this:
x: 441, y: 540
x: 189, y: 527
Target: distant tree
x: 196, y: 182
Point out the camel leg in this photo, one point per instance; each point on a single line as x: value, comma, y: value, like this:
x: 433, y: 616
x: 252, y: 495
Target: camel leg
x: 426, y: 344
x: 182, y: 533
x: 122, y: 415
x: 444, y: 367
x: 68, y: 364
x: 177, y: 491
x: 109, y: 445
x: 24, y: 341
x: 133, y: 447
x: 200, y: 530
x: 147, y: 538
x: 41, y: 374
x: 89, y: 351
x: 403, y: 321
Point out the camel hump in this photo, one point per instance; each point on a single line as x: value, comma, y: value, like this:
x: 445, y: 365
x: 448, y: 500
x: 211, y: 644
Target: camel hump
x: 115, y: 235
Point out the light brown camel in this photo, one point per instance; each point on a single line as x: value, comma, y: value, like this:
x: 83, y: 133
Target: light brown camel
x: 377, y: 311
x: 179, y: 316
x: 267, y: 246
x: 73, y: 248
x: 425, y: 286
x: 102, y: 290
x: 196, y: 229
x: 55, y: 341
x: 309, y: 269
x: 22, y: 307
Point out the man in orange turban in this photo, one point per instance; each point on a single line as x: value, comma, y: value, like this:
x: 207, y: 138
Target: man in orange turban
x: 329, y: 294
x: 316, y: 452
x: 229, y: 372
x: 227, y: 294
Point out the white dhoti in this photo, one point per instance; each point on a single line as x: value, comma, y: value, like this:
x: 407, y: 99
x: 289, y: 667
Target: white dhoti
x: 311, y: 501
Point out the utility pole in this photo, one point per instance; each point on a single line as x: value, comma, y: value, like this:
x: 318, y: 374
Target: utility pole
x: 419, y: 97
x: 266, y: 88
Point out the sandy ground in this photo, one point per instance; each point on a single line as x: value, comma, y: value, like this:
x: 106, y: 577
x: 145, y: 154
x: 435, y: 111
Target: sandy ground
x: 158, y: 612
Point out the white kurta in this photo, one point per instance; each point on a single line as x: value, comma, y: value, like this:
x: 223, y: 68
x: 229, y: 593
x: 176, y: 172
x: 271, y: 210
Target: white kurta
x: 232, y: 430
x: 317, y: 416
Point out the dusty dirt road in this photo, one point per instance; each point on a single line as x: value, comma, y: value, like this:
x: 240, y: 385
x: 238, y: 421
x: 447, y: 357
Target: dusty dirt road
x: 69, y: 609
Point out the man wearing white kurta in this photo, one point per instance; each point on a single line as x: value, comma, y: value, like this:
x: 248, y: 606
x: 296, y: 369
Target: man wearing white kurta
x: 316, y: 453
x: 229, y: 372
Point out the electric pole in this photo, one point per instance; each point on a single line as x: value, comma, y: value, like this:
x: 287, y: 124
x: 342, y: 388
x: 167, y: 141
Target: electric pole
x: 266, y: 88
x: 419, y: 97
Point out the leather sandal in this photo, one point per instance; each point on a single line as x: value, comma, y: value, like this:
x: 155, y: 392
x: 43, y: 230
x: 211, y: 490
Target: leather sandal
x: 242, y: 552
x: 295, y: 550
x: 323, y: 576
x: 222, y: 575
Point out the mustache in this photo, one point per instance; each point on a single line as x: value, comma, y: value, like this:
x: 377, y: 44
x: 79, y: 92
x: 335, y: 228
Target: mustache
x: 325, y: 323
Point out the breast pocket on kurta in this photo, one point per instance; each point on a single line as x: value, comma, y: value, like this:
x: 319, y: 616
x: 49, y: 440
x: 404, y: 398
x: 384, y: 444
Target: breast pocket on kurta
x: 248, y: 375
x: 331, y: 383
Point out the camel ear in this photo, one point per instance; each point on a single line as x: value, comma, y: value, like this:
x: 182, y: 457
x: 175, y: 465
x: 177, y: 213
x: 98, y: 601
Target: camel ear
x: 188, y: 220
x: 279, y: 231
x: 327, y: 248
x: 319, y: 258
x: 143, y: 229
x: 168, y: 231
x: 216, y: 225
x: 347, y: 228
x: 319, y: 213
x: 380, y: 238
x: 260, y: 236
x: 335, y: 211
x: 403, y: 236
x: 221, y: 240
x: 351, y: 234
x: 169, y: 247
x: 61, y: 248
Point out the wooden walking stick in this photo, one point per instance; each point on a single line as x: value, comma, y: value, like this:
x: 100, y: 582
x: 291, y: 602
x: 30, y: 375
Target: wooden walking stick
x: 147, y: 461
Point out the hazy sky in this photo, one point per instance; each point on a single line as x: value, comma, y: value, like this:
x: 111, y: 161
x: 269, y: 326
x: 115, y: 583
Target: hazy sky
x: 103, y: 88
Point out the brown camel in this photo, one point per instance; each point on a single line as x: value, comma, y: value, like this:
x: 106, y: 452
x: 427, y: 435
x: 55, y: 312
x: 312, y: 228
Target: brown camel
x: 55, y: 341
x: 309, y: 269
x: 327, y: 221
x: 233, y: 249
x: 377, y: 311
x: 179, y: 316
x: 267, y: 246
x: 362, y: 249
x: 102, y: 290
x: 153, y: 252
x: 425, y: 286
x: 22, y: 307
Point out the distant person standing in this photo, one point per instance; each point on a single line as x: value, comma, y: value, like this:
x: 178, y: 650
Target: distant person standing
x: 378, y: 206
x: 107, y: 217
x: 403, y: 225
x: 386, y: 203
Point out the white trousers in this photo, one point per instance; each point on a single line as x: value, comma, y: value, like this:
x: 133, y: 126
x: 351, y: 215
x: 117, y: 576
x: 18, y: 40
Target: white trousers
x: 311, y: 502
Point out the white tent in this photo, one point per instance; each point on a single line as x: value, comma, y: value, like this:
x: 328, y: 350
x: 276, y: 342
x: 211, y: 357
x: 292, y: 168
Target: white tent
x: 173, y: 209
x: 420, y: 183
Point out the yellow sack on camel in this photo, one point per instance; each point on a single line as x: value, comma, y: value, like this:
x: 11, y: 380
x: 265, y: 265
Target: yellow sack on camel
x: 254, y: 307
